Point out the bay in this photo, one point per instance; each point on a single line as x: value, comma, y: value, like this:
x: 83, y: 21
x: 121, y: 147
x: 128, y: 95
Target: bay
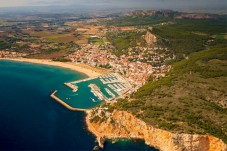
x: 31, y: 120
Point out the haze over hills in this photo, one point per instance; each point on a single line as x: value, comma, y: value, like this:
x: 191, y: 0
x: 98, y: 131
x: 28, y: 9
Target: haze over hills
x: 56, y: 6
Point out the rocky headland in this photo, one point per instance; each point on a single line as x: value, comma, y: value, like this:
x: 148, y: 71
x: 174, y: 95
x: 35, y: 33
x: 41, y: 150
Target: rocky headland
x: 121, y: 124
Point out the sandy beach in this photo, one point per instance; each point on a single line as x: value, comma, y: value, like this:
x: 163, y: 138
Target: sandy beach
x: 89, y: 71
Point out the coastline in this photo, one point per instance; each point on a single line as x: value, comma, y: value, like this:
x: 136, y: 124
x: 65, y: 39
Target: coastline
x: 127, y: 126
x: 99, y: 137
x: 74, y: 67
x: 68, y: 65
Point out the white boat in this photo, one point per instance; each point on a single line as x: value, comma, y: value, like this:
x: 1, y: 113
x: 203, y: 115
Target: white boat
x: 93, y: 100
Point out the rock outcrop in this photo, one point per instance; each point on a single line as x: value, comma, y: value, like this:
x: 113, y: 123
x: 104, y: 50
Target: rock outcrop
x: 150, y: 38
x: 122, y: 124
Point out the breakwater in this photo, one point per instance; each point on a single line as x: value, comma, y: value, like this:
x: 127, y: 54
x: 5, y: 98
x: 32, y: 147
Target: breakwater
x: 65, y: 104
x: 71, y: 86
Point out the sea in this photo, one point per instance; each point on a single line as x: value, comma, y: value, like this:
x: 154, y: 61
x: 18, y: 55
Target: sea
x: 31, y: 120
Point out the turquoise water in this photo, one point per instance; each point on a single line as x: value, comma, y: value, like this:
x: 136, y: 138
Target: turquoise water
x: 31, y: 120
x: 80, y: 99
x: 83, y: 97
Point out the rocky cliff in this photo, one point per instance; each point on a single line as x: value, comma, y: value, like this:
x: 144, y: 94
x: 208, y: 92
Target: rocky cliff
x: 121, y: 124
x: 150, y: 38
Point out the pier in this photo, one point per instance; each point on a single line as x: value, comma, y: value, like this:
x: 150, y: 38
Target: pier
x: 83, y: 80
x: 117, y: 83
x: 73, y: 87
x: 97, y: 92
x: 110, y: 93
x: 111, y: 78
x: 65, y: 104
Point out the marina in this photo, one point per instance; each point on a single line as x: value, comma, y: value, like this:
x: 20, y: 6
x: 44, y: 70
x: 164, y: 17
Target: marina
x: 105, y: 88
x: 97, y: 92
x: 116, y: 82
x: 110, y: 93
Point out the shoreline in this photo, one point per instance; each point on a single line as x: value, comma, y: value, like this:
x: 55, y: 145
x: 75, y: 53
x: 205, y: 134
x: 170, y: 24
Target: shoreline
x: 102, y: 137
x: 74, y: 67
x: 127, y: 126
x: 91, y: 129
x: 67, y: 65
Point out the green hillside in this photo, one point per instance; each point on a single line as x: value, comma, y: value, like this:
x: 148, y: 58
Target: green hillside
x: 192, y: 98
x: 124, y: 40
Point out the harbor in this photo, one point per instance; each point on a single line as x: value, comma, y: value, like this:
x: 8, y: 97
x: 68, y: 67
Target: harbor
x: 92, y: 91
x: 114, y: 85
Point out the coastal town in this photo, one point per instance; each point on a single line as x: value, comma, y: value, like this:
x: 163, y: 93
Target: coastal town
x: 91, y: 44
x: 135, y: 66
x: 154, y: 75
x: 127, y: 56
x: 85, y: 42
x: 11, y: 54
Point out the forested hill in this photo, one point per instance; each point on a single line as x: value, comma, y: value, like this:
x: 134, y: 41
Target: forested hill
x: 183, y: 33
x: 192, y: 97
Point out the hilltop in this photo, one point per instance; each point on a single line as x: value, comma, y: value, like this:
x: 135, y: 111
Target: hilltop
x: 191, y: 98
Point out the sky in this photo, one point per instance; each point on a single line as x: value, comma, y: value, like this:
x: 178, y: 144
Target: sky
x: 157, y: 4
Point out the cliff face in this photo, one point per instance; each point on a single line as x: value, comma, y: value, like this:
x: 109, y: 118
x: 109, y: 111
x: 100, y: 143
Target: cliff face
x: 122, y: 124
x: 150, y: 38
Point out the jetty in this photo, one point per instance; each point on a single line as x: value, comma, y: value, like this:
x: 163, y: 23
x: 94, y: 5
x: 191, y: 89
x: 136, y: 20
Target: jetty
x: 110, y: 93
x: 71, y: 86
x: 83, y: 80
x: 97, y: 92
x: 65, y: 104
